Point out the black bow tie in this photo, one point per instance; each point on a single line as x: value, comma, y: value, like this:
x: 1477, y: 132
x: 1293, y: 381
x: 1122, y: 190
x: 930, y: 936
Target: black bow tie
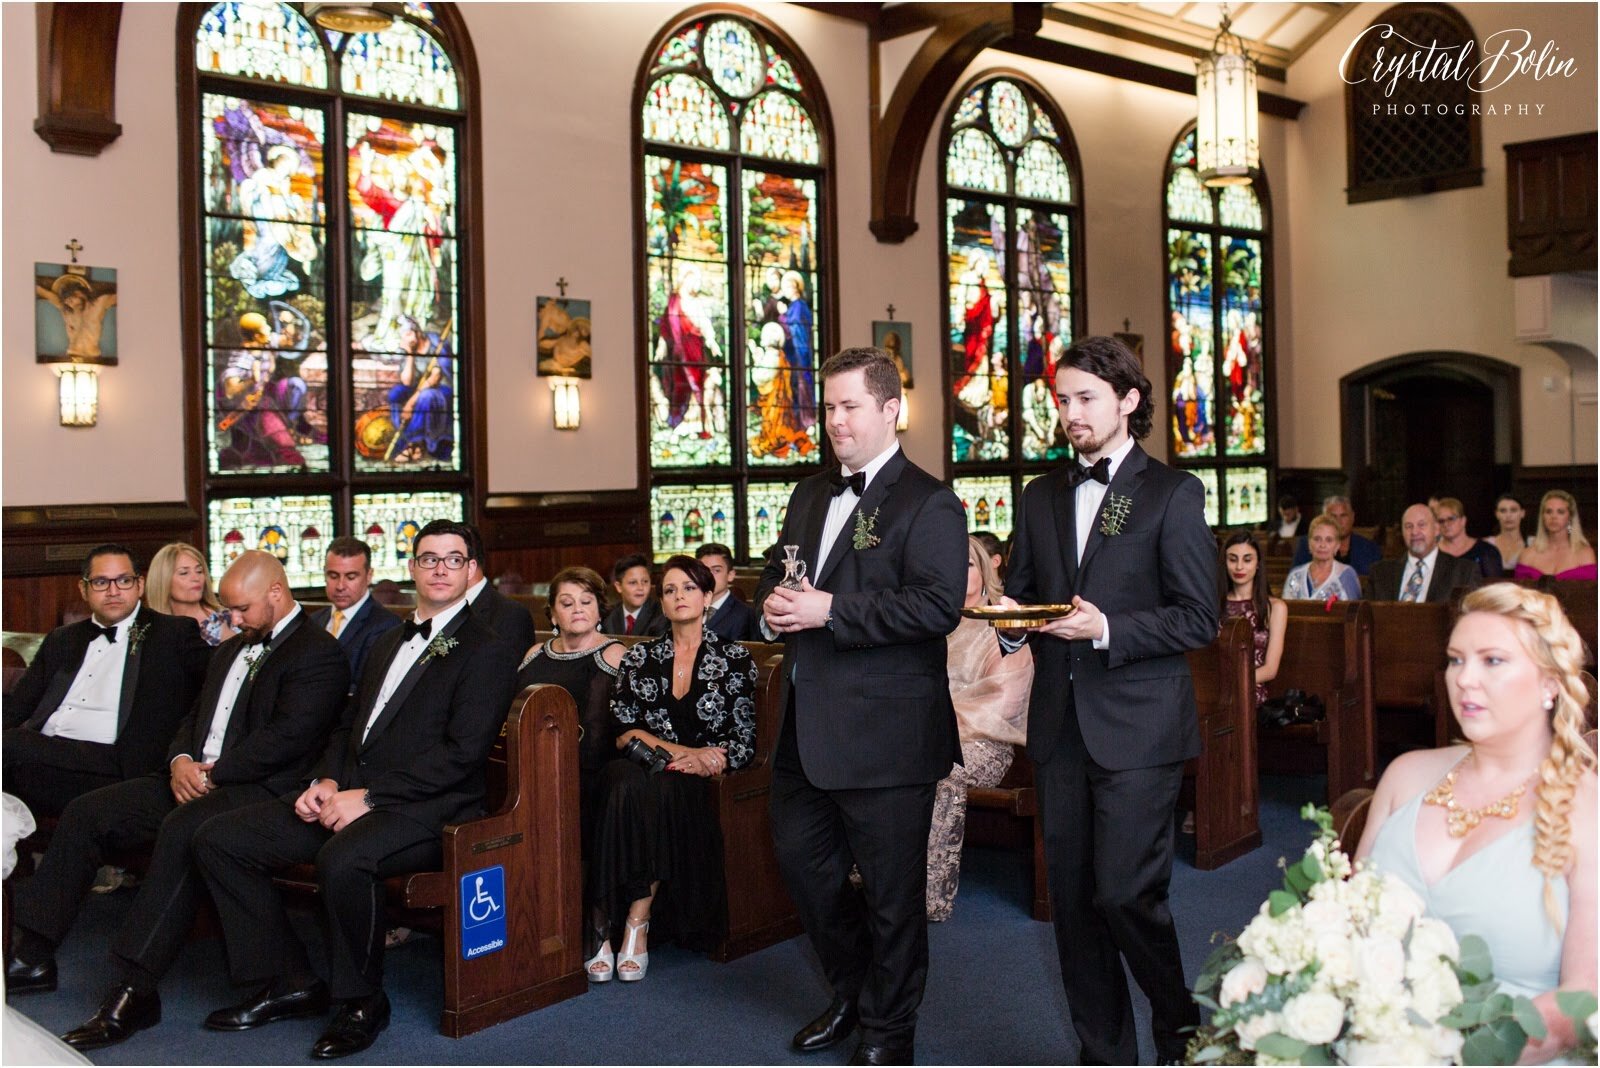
x: 1100, y: 472
x: 425, y: 628
x: 265, y: 641
x: 108, y: 633
x: 857, y: 482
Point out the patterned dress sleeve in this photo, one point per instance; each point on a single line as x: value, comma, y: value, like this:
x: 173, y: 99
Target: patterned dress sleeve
x: 726, y: 705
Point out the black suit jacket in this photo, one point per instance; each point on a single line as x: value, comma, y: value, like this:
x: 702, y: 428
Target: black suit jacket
x: 281, y: 717
x: 159, y: 681
x: 509, y: 619
x: 871, y: 695
x: 424, y: 757
x: 652, y: 623
x: 1155, y: 581
x: 1388, y: 577
x: 735, y: 621
x: 359, y: 632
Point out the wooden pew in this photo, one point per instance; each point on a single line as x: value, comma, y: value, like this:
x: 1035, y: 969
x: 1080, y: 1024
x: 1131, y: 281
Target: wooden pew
x: 1224, y: 779
x: 1577, y: 597
x: 1015, y: 796
x: 1408, y: 654
x: 1328, y: 653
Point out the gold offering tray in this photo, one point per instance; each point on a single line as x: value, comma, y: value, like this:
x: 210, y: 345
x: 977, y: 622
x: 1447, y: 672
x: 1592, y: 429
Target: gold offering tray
x: 1019, y: 616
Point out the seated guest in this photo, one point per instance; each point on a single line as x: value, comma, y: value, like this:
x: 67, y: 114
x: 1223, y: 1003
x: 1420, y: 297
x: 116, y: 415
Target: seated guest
x: 352, y: 615
x: 1247, y: 596
x: 1352, y: 549
x: 1427, y: 573
x: 1454, y: 540
x: 1509, y: 539
x: 1323, y: 578
x: 272, y: 695
x: 102, y: 697
x: 996, y: 550
x: 636, y: 612
x: 730, y: 617
x: 1291, y: 521
x: 1559, y: 549
x: 990, y: 692
x: 407, y: 758
x: 509, y: 619
x: 1516, y: 803
x: 179, y: 585
x: 657, y: 843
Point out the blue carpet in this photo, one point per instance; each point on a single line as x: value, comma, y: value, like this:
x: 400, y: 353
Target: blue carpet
x: 994, y: 987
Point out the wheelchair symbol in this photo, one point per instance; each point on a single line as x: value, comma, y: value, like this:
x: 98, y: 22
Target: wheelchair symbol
x: 482, y: 906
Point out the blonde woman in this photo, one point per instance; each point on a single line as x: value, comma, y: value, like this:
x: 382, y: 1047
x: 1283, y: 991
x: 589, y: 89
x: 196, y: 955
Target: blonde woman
x: 1559, y: 549
x: 1323, y: 578
x: 1498, y: 835
x: 178, y: 584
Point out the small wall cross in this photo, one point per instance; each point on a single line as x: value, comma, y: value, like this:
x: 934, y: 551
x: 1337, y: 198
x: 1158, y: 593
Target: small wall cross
x: 562, y: 284
x: 891, y: 311
x: 73, y: 247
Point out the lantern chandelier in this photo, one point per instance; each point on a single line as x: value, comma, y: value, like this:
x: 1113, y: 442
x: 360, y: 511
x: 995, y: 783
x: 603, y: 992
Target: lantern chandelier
x: 1227, y: 127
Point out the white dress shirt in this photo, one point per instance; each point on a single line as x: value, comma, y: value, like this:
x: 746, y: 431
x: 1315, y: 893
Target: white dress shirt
x: 89, y: 711
x: 1428, y: 564
x: 346, y: 614
x: 839, y: 508
x: 1086, y: 506
x: 405, y: 658
x: 232, y: 686
x: 472, y: 592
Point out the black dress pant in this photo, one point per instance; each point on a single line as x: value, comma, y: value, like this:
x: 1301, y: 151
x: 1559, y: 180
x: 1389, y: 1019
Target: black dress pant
x: 1108, y: 840
x: 873, y: 943
x: 239, y: 855
x: 48, y: 771
x: 128, y: 815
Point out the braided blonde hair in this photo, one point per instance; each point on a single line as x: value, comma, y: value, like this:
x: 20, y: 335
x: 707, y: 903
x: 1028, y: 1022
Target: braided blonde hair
x: 1558, y: 652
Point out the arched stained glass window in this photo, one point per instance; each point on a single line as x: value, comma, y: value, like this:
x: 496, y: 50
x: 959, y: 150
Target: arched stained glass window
x: 332, y: 359
x: 1012, y: 286
x: 735, y: 259
x: 1218, y: 337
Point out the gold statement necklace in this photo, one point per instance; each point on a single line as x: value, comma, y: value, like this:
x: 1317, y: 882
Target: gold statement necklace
x: 1460, y: 822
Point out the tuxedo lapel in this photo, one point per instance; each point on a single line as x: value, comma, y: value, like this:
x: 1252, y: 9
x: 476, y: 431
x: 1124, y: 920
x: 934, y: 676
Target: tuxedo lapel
x: 408, y: 683
x: 238, y: 717
x: 1128, y: 478
x: 355, y: 624
x: 1065, y: 503
x: 813, y: 516
x: 130, y: 671
x: 877, y: 491
x: 211, y: 692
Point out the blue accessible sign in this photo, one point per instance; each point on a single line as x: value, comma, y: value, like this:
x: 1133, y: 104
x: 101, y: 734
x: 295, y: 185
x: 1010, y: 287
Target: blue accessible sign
x: 483, y: 912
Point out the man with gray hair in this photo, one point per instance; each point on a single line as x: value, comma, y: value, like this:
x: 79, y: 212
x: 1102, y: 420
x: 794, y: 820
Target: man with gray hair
x: 1354, y: 550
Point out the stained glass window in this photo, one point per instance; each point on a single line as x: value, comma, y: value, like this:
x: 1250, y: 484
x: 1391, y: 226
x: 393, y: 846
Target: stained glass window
x: 1011, y: 288
x: 735, y: 276
x: 388, y: 523
x: 988, y: 501
x: 286, y: 373
x: 1208, y: 479
x: 1218, y: 348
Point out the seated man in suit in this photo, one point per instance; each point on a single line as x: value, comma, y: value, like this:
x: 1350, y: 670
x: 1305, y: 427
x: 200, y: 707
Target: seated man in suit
x: 1354, y: 550
x: 353, y: 616
x: 510, y: 619
x: 1426, y: 573
x: 101, y: 699
x: 636, y: 612
x: 407, y: 758
x: 731, y: 618
x: 274, y: 691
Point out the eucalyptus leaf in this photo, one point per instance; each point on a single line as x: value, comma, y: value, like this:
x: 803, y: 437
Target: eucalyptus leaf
x: 1281, y: 1046
x: 1281, y: 901
x: 1576, y: 1005
x: 1474, y: 960
x: 1529, y: 1017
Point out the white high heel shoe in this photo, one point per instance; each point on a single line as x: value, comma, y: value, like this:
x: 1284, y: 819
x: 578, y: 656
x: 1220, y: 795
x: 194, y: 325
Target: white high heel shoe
x: 602, y: 966
x: 640, y: 961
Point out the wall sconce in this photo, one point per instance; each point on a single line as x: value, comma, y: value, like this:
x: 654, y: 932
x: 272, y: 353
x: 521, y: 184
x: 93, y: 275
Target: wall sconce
x: 568, y: 405
x: 80, y: 393
x: 904, y: 420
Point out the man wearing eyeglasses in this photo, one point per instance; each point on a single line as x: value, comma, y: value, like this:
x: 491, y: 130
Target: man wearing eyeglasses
x: 407, y: 758
x: 101, y: 699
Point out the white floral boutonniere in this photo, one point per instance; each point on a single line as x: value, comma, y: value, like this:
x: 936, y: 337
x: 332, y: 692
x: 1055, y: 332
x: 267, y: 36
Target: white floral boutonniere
x: 1115, y: 513
x: 440, y: 647
x: 866, y: 525
x: 255, y: 662
x: 136, y: 635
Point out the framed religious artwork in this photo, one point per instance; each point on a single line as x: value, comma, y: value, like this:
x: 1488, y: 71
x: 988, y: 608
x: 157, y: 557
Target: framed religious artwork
x: 75, y: 313
x: 895, y: 339
x: 562, y: 337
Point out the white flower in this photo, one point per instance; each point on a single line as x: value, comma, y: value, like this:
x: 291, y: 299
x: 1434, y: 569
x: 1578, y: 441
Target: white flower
x: 1247, y: 977
x: 1251, y: 1030
x: 1412, y: 1048
x: 1398, y: 907
x: 1313, y: 1017
x: 1380, y: 963
x: 1432, y: 939
x: 1434, y: 990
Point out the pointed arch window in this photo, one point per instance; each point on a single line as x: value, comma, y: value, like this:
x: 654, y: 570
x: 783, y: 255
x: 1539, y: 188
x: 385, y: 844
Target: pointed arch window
x: 736, y: 283
x: 332, y: 354
x: 1217, y: 279
x: 1013, y: 288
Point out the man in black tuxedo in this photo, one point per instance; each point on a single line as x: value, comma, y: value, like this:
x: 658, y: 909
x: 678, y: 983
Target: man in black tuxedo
x: 407, y: 758
x: 1426, y: 573
x: 868, y: 727
x: 102, y: 696
x: 509, y: 619
x: 352, y: 616
x: 272, y: 695
x: 1124, y: 540
x: 731, y: 618
x: 636, y: 612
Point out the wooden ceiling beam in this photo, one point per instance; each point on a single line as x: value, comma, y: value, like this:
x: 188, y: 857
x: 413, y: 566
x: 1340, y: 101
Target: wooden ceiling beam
x: 77, y: 68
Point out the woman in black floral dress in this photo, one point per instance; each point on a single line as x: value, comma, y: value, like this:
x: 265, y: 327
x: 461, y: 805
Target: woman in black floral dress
x: 658, y: 845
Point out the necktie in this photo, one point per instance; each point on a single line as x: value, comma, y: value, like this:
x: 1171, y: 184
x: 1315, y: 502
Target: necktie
x: 629, y: 627
x: 108, y: 633
x: 840, y: 483
x: 425, y: 628
x: 1100, y: 472
x: 338, y: 622
x: 1413, y: 590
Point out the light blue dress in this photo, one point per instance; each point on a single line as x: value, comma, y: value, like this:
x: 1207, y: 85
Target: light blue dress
x: 1496, y: 894
x: 1343, y: 584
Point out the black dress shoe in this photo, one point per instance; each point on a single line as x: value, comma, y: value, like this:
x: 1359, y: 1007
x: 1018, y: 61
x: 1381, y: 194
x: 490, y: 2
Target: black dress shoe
x: 25, y: 978
x: 829, y: 1029
x: 866, y: 1054
x: 356, y: 1026
x: 263, y: 1008
x: 123, y: 1013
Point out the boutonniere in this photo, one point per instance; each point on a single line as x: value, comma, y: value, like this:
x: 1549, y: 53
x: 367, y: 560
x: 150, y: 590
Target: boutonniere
x: 136, y: 635
x: 255, y: 663
x: 1115, y: 513
x: 440, y: 647
x: 866, y: 525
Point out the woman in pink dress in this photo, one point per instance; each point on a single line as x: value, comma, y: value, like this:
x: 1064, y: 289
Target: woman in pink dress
x: 1559, y: 549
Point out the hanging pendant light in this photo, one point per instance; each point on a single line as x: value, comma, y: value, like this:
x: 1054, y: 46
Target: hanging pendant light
x: 354, y: 17
x: 1227, y: 128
